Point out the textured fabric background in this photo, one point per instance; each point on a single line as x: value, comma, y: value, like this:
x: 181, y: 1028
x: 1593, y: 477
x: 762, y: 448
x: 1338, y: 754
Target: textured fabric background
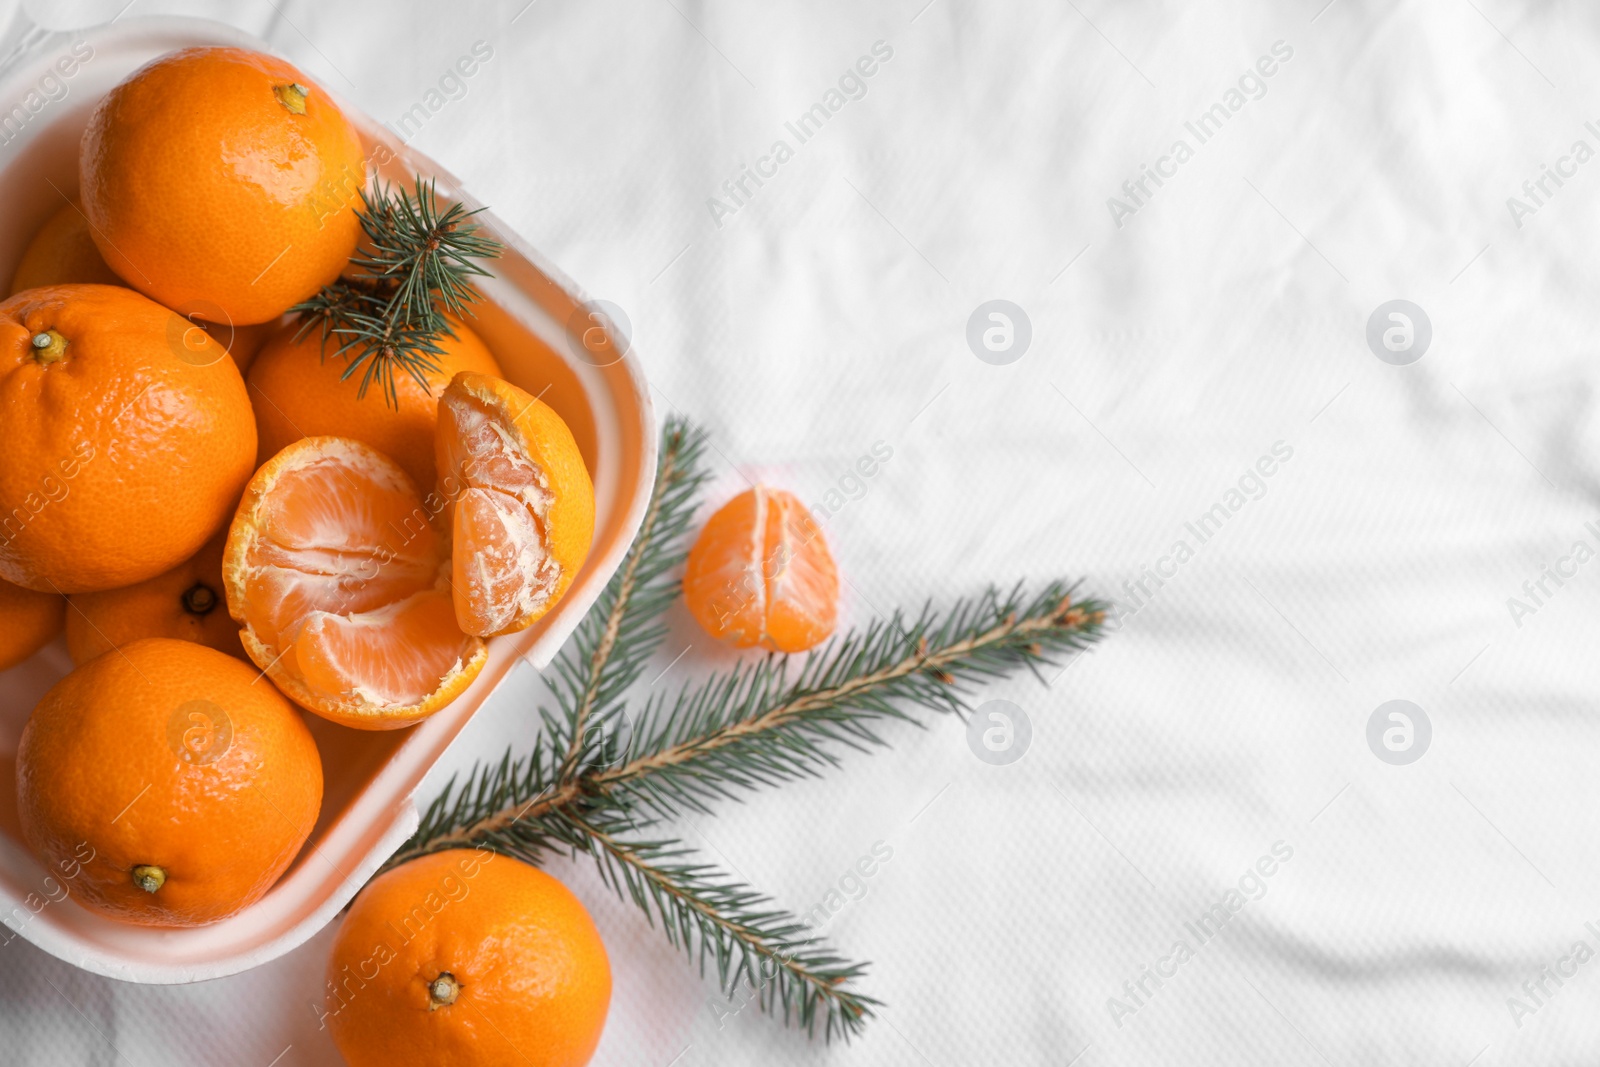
x: 1224, y: 317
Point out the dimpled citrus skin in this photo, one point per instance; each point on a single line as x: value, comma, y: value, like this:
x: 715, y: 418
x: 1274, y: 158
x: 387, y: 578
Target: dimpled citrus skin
x: 101, y: 785
x: 125, y: 455
x: 297, y: 393
x: 533, y: 983
x: 186, y: 603
x: 62, y: 251
x: 209, y: 193
x: 28, y: 622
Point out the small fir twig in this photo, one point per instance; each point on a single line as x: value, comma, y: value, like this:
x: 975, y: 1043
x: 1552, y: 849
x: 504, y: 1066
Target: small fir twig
x: 761, y: 723
x: 391, y: 309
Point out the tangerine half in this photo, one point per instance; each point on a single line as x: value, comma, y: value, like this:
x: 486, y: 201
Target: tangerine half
x: 519, y: 499
x: 335, y: 572
x: 760, y: 573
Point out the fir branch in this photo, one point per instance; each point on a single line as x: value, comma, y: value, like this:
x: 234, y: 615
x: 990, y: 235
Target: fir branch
x: 612, y: 645
x: 759, y: 724
x: 755, y: 946
x: 754, y: 726
x: 605, y: 656
x: 390, y: 309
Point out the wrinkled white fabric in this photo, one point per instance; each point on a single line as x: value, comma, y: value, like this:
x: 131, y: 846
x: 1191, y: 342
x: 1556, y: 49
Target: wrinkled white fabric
x: 1208, y: 323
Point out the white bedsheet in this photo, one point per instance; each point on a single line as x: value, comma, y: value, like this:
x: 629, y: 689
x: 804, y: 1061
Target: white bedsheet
x: 1223, y: 319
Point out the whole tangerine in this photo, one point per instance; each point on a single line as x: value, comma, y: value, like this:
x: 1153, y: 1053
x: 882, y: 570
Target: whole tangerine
x: 298, y: 389
x: 187, y: 603
x: 63, y: 252
x: 28, y: 622
x: 467, y: 957
x: 165, y: 786
x: 128, y: 438
x: 223, y: 183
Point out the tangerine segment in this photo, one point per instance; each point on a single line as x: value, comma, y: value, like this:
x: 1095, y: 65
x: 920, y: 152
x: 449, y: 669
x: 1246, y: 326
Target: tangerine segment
x: 760, y: 574
x: 334, y: 570
x: 520, y: 499
x: 396, y: 654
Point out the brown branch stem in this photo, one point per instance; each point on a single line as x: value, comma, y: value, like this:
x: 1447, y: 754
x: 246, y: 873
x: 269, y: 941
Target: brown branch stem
x: 619, y: 608
x: 571, y: 790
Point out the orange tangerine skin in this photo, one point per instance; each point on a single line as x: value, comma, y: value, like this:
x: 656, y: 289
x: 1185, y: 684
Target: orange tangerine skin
x: 207, y: 191
x: 534, y: 980
x: 28, y: 622
x: 760, y: 574
x: 62, y: 252
x: 123, y: 457
x: 103, y: 785
x: 174, y: 604
x: 297, y: 392
x: 475, y: 488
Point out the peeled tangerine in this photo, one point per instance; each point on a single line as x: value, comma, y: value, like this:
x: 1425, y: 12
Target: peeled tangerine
x: 520, y: 502
x: 337, y: 574
x: 760, y: 574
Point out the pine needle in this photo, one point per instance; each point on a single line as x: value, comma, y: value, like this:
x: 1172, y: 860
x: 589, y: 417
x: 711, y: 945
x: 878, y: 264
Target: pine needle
x: 390, y: 310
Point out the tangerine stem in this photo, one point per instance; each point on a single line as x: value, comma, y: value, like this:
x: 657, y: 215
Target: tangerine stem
x: 149, y: 877
x: 442, y: 991
x: 49, y: 347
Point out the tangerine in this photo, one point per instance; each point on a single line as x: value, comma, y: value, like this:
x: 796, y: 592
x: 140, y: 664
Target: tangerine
x: 165, y: 785
x: 126, y: 441
x: 467, y: 957
x: 520, y: 501
x: 298, y: 389
x: 63, y: 252
x: 185, y: 603
x: 334, y: 570
x: 28, y: 622
x: 223, y: 183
